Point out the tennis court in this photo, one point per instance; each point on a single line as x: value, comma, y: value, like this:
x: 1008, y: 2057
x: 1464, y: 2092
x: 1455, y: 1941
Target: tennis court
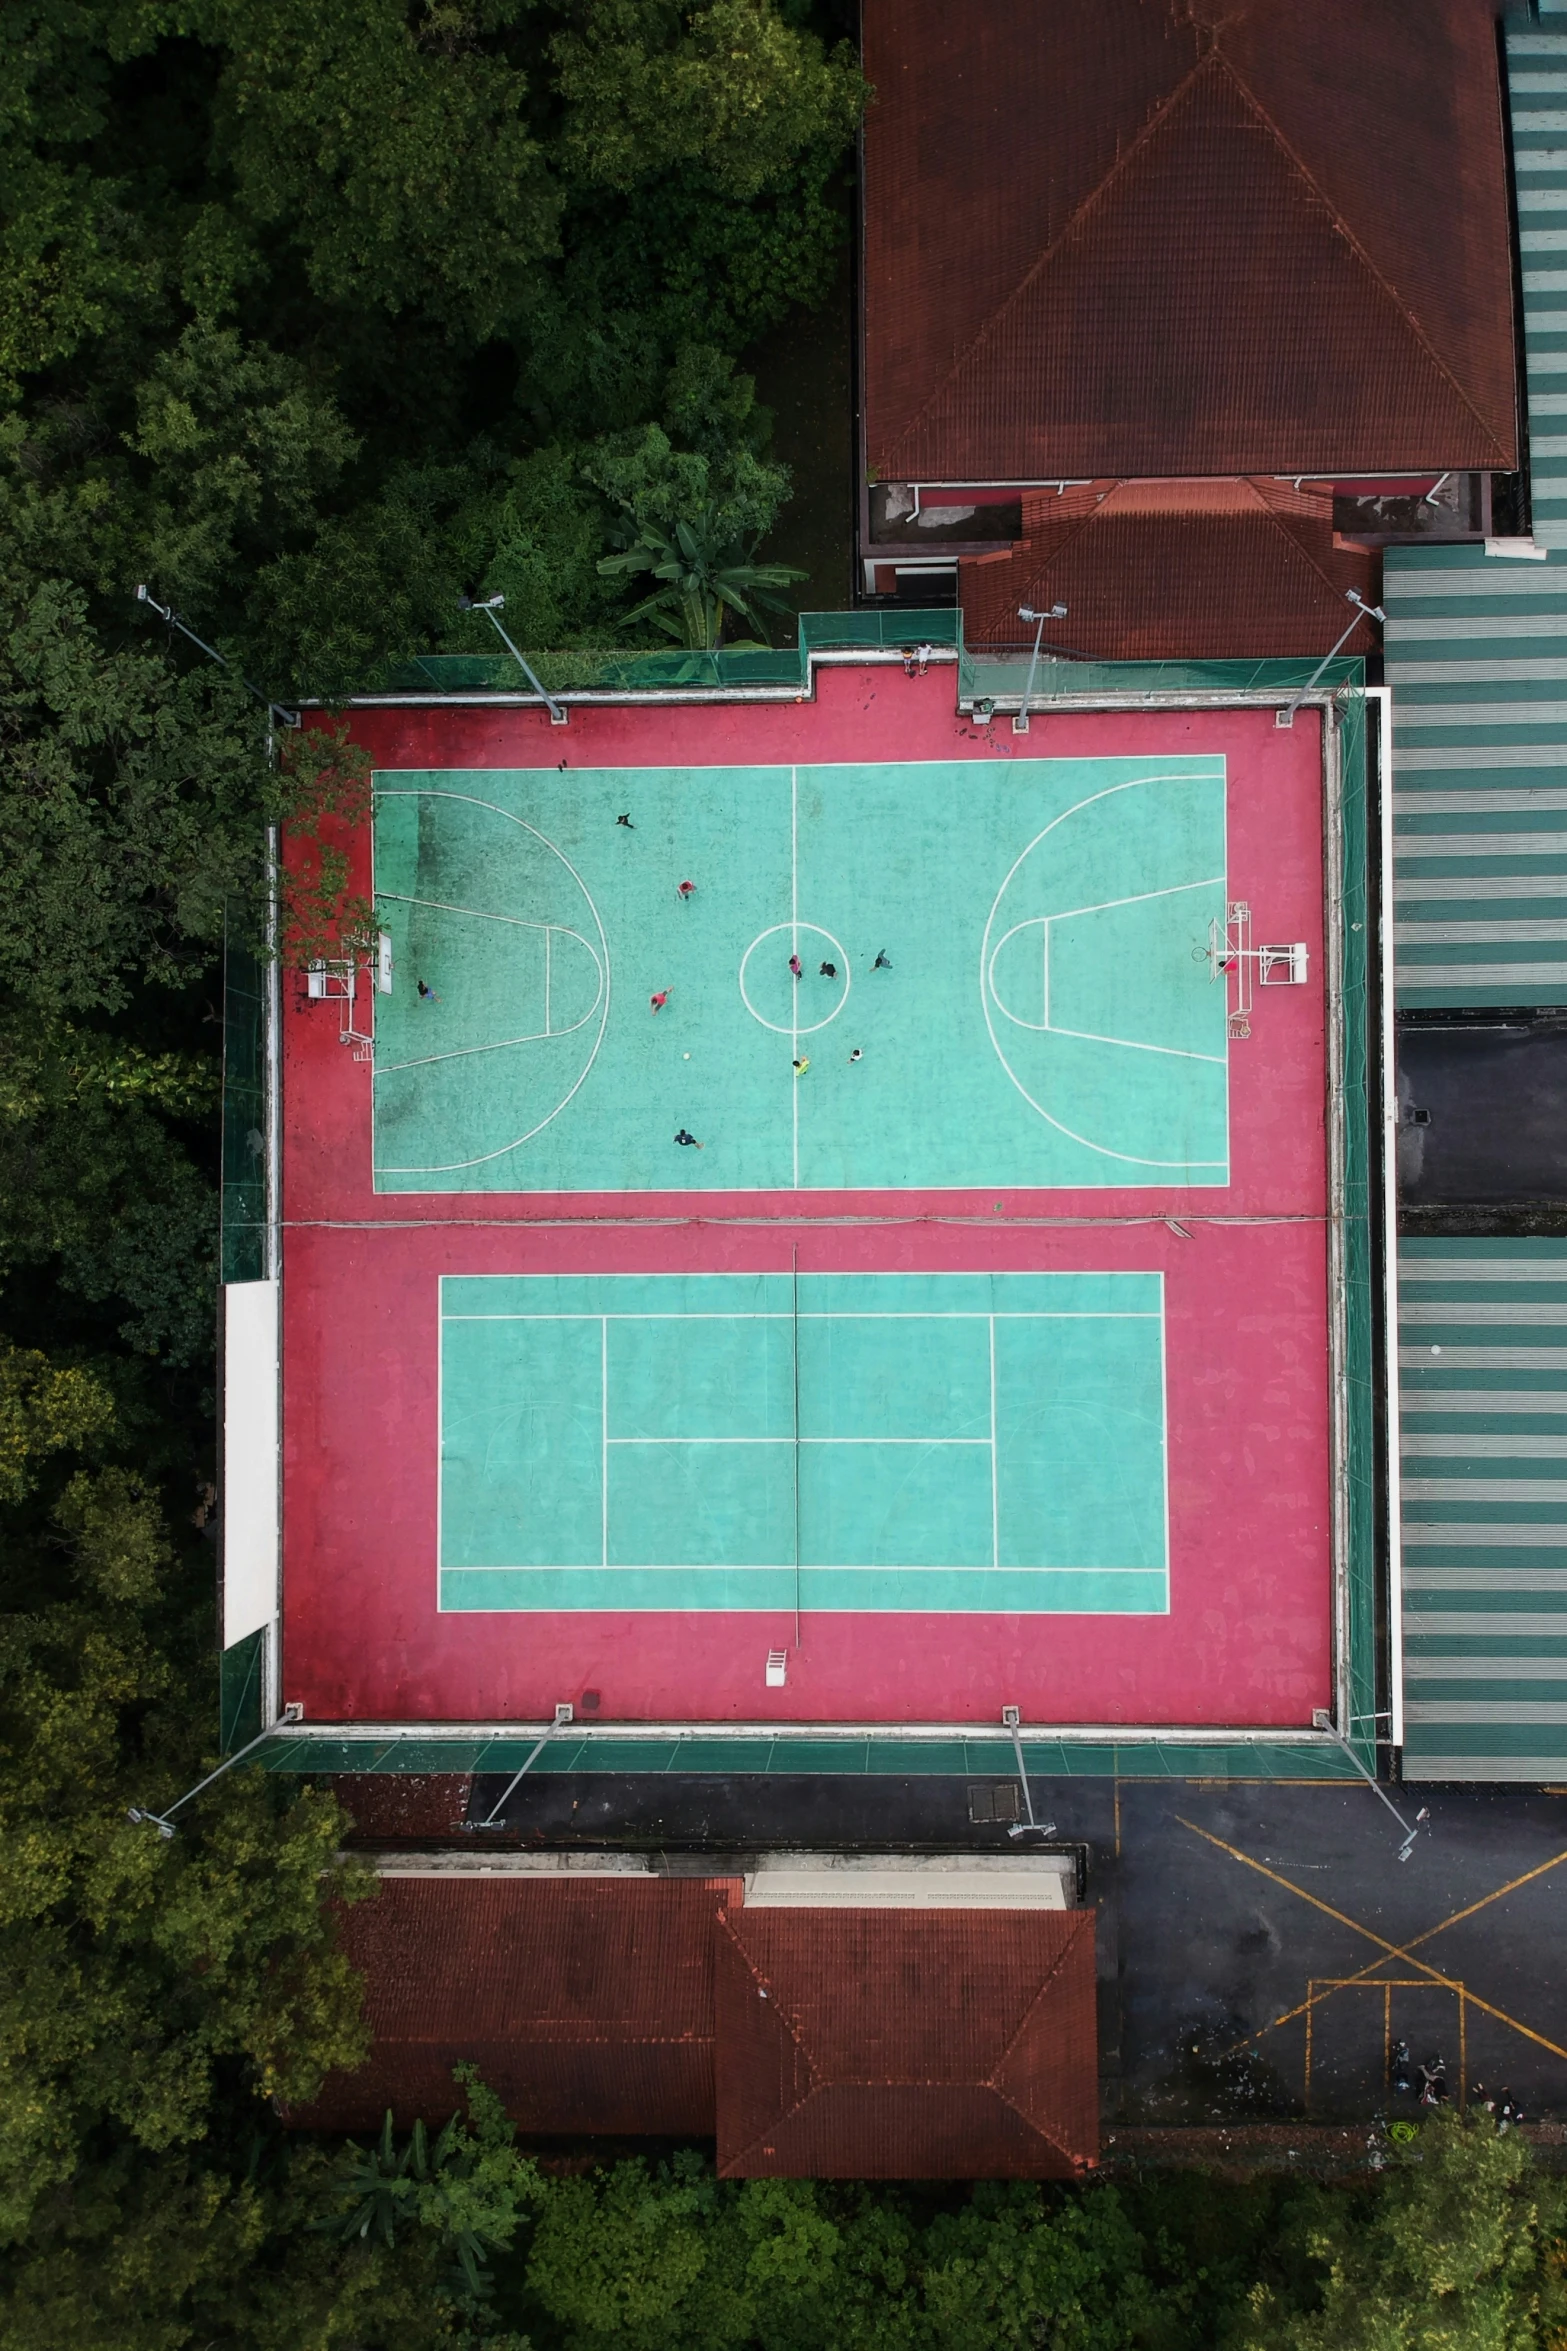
x: 834, y: 1442
x: 919, y: 974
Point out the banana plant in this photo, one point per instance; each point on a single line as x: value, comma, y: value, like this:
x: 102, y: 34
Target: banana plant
x: 705, y: 576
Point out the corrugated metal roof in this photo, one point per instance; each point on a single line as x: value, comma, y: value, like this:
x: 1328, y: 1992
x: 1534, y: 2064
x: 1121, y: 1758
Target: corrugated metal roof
x: 1537, y: 102
x: 587, y: 2005
x: 1148, y: 238
x: 1476, y: 652
x: 871, y: 2044
x: 1483, y: 1440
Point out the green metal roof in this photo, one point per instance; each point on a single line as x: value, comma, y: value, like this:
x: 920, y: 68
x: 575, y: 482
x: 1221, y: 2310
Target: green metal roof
x: 1483, y: 1445
x: 1476, y: 651
x: 1537, y: 102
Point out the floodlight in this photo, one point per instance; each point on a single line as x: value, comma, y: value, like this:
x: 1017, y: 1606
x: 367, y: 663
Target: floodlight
x: 1363, y: 611
x: 490, y: 606
x: 1027, y: 612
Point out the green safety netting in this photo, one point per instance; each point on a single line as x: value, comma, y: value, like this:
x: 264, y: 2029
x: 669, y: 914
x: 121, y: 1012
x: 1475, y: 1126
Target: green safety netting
x: 996, y: 673
x: 807, y: 1755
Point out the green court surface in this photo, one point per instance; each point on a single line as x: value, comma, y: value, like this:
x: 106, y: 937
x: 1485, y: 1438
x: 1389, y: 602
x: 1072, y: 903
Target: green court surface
x: 1017, y: 953
x: 952, y: 1442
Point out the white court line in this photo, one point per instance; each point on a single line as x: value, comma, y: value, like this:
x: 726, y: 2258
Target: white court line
x: 388, y: 1069
x: 515, y: 922
x: 853, y: 1314
x: 1047, y: 1027
x: 1131, y: 1045
x: 810, y: 1567
x: 457, y: 1166
x: 1123, y: 1158
x: 822, y: 1567
x: 1136, y: 898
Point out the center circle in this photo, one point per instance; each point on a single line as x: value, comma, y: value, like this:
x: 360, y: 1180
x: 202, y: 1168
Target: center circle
x: 780, y: 989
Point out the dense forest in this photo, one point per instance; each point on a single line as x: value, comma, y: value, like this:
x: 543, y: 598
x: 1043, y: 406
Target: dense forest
x: 316, y: 316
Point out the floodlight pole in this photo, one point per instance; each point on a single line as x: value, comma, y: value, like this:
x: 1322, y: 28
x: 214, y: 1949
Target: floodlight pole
x: 1011, y: 1720
x: 275, y: 711
x: 1286, y: 716
x: 1323, y: 1721
x: 163, y: 1822
x: 1026, y: 612
x: 563, y: 1717
x: 490, y: 607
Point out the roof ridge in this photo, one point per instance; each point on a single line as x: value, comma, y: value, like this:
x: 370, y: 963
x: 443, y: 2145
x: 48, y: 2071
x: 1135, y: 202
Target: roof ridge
x: 779, y: 2017
x: 1038, y: 2129
x: 1071, y: 530
x: 1022, y: 2023
x: 1377, y: 275
x: 1043, y: 260
x: 1281, y: 523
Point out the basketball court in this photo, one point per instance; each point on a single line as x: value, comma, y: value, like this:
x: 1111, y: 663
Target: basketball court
x: 975, y: 1349
x: 1018, y: 958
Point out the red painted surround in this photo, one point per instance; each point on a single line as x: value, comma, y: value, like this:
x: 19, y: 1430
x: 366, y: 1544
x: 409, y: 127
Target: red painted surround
x: 1248, y: 1638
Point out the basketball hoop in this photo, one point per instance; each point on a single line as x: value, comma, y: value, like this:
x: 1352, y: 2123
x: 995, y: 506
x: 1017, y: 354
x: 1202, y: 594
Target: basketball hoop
x: 335, y: 980
x: 1232, y: 958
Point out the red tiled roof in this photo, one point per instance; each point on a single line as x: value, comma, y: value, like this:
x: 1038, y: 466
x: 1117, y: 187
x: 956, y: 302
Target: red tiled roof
x: 1198, y: 570
x: 906, y: 2044
x: 586, y: 2003
x: 1185, y: 237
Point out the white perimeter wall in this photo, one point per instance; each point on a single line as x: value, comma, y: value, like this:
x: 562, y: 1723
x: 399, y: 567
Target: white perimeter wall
x: 251, y: 1544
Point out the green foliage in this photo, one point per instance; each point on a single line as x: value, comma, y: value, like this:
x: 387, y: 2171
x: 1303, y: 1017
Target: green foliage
x: 705, y: 574
x: 691, y: 517
x: 673, y: 2260
x: 99, y: 1184
x: 730, y: 86
x: 129, y: 799
x: 468, y: 2189
x: 295, y: 293
x: 1451, y: 2254
x: 239, y: 448
x: 44, y: 1408
x: 137, y: 1972
x: 390, y: 148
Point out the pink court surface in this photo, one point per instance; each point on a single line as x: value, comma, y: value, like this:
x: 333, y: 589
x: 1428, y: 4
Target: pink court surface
x: 1243, y: 1635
